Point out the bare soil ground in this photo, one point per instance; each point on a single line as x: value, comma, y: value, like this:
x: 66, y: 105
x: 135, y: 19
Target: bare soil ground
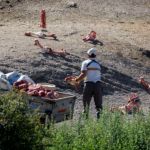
x: 122, y: 26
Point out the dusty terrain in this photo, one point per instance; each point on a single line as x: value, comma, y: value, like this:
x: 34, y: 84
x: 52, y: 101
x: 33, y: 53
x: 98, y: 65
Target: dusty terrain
x: 122, y: 26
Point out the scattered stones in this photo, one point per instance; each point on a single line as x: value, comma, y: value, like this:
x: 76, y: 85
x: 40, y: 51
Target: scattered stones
x: 71, y: 33
x: 121, y: 22
x: 2, y: 25
x: 71, y: 4
x: 131, y: 22
x: 2, y: 7
x: 7, y: 2
x: 145, y: 52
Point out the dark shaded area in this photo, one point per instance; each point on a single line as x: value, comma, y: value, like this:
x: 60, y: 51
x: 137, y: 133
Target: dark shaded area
x: 145, y: 52
x: 45, y: 38
x: 54, y: 69
x: 8, y: 3
x: 96, y: 42
x: 116, y: 81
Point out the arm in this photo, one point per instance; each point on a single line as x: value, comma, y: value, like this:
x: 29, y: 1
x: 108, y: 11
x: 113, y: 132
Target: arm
x: 81, y: 76
x: 83, y: 72
x: 36, y: 42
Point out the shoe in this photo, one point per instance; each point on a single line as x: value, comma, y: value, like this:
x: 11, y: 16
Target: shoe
x: 27, y: 34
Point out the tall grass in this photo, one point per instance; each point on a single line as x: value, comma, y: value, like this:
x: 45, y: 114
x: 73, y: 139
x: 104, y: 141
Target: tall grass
x: 110, y: 132
x: 20, y: 130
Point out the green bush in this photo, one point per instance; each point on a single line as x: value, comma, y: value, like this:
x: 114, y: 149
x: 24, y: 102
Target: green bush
x: 111, y: 132
x: 19, y: 126
x: 20, y: 130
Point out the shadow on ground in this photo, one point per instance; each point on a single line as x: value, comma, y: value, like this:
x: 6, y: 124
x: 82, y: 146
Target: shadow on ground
x: 54, y: 69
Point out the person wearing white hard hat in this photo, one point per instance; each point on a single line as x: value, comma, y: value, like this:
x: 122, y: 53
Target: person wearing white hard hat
x: 91, y: 73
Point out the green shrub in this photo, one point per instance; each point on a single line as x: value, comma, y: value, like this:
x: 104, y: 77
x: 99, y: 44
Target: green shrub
x: 111, y: 132
x: 19, y: 126
x: 20, y: 130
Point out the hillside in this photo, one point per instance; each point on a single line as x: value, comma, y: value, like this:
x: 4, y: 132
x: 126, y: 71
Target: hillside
x: 122, y: 26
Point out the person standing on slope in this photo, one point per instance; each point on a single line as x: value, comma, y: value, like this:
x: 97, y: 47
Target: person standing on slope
x: 91, y: 73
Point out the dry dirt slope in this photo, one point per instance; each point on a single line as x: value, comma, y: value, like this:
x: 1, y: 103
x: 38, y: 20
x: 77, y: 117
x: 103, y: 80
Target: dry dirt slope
x: 122, y: 26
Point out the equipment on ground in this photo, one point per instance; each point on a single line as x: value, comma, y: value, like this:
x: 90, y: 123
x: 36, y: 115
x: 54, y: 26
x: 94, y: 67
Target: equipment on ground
x: 145, y: 84
x: 133, y: 105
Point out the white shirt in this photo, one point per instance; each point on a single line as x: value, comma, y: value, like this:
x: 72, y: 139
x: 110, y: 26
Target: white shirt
x: 40, y: 34
x: 93, y: 71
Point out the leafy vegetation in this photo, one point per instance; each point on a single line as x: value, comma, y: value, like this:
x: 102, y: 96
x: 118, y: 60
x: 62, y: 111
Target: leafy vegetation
x: 19, y: 126
x: 111, y: 132
x: 20, y: 129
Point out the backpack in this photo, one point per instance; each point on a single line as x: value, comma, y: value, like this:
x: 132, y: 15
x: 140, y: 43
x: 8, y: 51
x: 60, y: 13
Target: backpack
x: 95, y: 62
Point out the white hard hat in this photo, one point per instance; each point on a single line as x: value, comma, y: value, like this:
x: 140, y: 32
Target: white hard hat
x: 91, y: 51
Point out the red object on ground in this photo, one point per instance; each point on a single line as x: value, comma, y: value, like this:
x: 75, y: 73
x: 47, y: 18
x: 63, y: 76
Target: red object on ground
x: 90, y: 37
x: 35, y: 89
x: 133, y: 102
x: 33, y: 93
x: 144, y: 83
x: 23, y: 86
x: 17, y: 83
x: 41, y: 93
x: 43, y: 19
x: 133, y: 97
x: 27, y: 34
x: 133, y: 106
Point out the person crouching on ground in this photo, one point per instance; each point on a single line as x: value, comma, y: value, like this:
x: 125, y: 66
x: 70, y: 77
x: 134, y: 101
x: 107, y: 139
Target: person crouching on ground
x: 91, y: 73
